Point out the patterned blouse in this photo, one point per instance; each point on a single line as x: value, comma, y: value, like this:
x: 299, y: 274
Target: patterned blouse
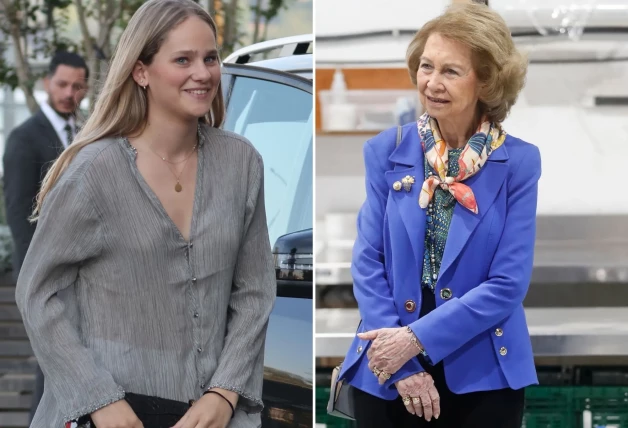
x: 439, y: 213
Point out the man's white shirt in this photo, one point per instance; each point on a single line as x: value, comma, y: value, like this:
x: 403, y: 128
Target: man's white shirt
x: 59, y: 123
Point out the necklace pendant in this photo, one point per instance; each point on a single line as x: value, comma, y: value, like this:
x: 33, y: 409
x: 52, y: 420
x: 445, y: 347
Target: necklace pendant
x: 177, y: 187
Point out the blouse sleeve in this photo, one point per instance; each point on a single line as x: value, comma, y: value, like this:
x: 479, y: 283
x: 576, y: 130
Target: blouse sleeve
x: 241, y: 363
x: 68, y: 234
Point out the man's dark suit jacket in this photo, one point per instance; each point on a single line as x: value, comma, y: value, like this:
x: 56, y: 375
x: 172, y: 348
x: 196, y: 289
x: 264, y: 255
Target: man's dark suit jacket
x: 29, y: 152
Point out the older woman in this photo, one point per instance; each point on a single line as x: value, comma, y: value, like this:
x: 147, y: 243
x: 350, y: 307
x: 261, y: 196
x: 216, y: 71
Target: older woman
x: 445, y: 243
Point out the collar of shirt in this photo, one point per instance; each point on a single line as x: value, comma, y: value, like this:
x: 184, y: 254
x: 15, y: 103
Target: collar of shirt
x: 58, y: 123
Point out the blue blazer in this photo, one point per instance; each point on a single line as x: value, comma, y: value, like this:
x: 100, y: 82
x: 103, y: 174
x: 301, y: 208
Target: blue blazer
x: 478, y: 328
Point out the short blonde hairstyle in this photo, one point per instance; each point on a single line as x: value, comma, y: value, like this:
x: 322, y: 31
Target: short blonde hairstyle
x: 498, y: 64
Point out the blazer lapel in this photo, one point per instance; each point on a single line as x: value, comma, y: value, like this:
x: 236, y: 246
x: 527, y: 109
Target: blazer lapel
x: 485, y: 185
x: 408, y: 159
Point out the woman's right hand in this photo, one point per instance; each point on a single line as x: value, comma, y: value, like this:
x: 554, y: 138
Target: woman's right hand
x: 424, y: 398
x: 116, y: 415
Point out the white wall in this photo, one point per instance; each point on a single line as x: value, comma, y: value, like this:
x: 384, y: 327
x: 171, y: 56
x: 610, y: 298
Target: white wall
x: 334, y: 17
x: 583, y: 148
x: 342, y: 17
x: 349, y: 16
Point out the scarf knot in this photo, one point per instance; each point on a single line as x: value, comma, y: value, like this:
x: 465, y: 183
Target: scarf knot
x: 487, y: 138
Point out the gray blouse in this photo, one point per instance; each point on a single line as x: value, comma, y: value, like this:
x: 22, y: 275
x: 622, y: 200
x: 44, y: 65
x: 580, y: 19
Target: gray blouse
x: 114, y: 299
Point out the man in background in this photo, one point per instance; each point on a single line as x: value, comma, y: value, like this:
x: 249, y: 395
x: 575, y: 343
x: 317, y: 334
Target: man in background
x: 30, y: 150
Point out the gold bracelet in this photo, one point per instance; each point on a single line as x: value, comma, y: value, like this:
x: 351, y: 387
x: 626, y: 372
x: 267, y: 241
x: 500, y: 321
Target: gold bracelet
x: 413, y: 338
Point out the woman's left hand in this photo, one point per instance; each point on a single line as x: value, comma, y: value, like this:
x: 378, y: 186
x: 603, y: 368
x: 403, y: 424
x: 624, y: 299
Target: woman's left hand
x: 209, y: 411
x: 391, y: 349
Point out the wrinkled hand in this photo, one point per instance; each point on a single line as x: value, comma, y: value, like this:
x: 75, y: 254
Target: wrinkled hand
x: 421, y: 386
x: 391, y: 349
x: 209, y: 411
x: 116, y: 415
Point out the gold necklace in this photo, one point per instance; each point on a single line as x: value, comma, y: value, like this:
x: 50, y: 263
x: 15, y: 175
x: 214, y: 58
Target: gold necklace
x: 177, y: 187
x: 169, y: 161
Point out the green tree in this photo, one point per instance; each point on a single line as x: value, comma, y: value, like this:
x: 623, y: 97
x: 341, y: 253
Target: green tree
x: 266, y: 12
x: 98, y: 46
x: 227, y: 16
x: 35, y: 29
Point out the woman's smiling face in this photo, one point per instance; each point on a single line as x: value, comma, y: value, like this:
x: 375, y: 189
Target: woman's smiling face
x: 185, y: 73
x: 447, y: 83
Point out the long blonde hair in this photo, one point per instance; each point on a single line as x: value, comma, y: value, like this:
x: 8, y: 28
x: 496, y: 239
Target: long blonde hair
x: 121, y: 107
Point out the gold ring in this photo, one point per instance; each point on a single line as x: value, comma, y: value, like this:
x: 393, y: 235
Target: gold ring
x: 416, y: 400
x: 376, y: 371
x: 385, y: 375
x: 406, y: 401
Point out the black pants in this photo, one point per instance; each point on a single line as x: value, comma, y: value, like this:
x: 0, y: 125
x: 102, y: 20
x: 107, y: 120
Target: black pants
x: 486, y: 409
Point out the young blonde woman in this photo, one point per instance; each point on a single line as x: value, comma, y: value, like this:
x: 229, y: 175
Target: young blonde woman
x: 148, y: 285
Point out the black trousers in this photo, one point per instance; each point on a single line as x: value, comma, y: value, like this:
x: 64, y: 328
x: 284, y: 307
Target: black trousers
x: 486, y: 409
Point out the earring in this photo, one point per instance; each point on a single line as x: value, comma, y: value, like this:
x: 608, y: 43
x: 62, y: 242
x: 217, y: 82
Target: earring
x: 144, y: 87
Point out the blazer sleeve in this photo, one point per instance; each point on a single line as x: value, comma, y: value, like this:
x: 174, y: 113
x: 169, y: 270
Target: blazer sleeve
x: 370, y: 282
x: 68, y: 235
x: 241, y: 362
x: 21, y: 183
x: 509, y: 273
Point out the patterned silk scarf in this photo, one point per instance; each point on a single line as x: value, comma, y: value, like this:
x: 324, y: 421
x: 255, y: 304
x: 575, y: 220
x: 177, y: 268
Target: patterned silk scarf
x: 488, y: 137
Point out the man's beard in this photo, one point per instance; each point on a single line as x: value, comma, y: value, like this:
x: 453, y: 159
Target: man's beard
x: 62, y: 114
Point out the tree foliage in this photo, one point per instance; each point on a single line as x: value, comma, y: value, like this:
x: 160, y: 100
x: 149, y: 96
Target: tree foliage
x: 266, y: 11
x: 32, y: 30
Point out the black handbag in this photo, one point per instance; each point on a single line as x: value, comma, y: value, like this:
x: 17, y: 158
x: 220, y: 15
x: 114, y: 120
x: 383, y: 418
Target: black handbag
x: 341, y: 401
x: 154, y: 412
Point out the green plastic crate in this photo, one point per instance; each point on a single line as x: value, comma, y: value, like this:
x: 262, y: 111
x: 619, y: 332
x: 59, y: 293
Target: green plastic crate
x: 546, y: 407
x: 565, y: 407
x: 549, y: 407
x: 608, y: 420
x: 333, y: 422
x: 608, y: 406
x: 322, y: 396
x: 600, y: 397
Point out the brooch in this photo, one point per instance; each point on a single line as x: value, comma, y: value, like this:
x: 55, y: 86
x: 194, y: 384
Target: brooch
x: 407, y: 182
